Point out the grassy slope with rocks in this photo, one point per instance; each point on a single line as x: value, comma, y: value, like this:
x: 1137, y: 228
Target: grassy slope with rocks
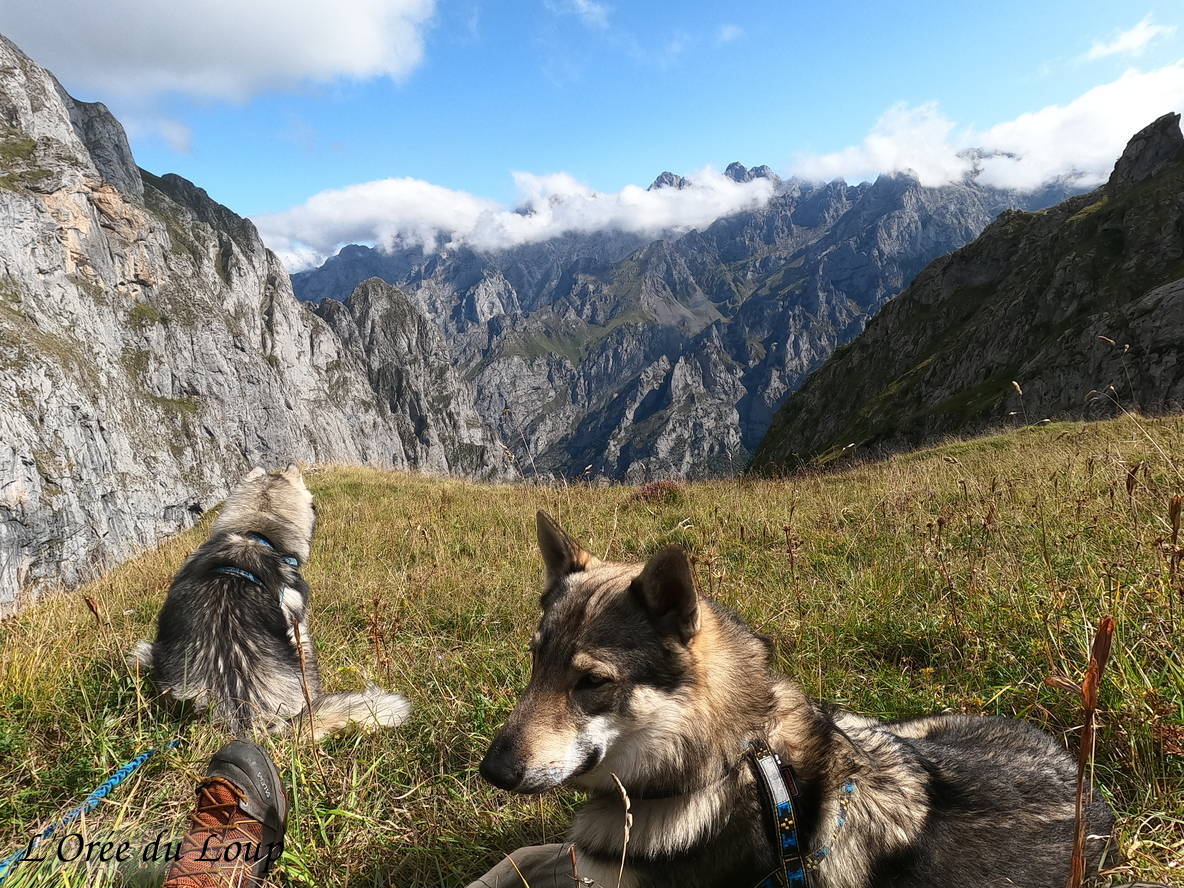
x: 951, y: 579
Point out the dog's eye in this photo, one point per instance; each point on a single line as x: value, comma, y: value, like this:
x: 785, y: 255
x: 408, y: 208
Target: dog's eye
x: 590, y: 680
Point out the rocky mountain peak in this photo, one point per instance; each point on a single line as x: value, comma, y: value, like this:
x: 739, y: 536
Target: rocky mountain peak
x: 1150, y: 151
x: 107, y: 143
x: 667, y: 179
x: 738, y: 172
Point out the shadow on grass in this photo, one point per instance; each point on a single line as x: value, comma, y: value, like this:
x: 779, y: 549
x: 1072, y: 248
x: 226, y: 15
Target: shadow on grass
x: 448, y: 865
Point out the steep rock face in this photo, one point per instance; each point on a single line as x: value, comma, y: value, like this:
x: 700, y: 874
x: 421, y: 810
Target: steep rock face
x: 1081, y: 306
x: 406, y: 360
x: 151, y: 350
x: 599, y: 354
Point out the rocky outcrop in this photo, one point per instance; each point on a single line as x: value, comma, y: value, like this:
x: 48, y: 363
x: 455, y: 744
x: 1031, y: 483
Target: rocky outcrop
x: 151, y: 351
x: 1074, y: 312
x: 339, y: 274
x: 605, y: 355
x: 1150, y: 151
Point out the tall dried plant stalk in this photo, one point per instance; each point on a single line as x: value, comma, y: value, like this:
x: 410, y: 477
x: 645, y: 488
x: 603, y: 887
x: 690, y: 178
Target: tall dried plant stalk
x: 1099, y: 655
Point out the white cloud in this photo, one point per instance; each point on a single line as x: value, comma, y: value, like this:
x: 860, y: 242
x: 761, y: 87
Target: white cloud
x: 919, y: 138
x: 1079, y: 140
x: 728, y: 33
x: 1130, y: 42
x: 411, y: 211
x: 176, y: 135
x: 591, y: 13
x: 142, y: 48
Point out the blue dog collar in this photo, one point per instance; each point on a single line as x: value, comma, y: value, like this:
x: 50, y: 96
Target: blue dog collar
x: 778, y: 788
x: 230, y: 570
x: 777, y: 798
x: 259, y: 538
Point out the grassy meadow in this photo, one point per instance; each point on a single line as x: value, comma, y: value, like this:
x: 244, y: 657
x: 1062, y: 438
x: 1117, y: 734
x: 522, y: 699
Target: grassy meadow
x: 954, y: 579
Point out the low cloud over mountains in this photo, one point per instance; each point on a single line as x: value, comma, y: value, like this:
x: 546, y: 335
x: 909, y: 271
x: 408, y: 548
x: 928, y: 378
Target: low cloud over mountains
x: 406, y: 212
x: 1074, y: 144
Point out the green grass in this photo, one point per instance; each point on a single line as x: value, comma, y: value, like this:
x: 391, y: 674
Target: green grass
x: 17, y: 155
x: 142, y: 316
x: 573, y: 341
x: 953, y: 579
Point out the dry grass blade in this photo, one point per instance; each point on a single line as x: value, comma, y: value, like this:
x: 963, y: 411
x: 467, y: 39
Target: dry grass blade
x: 628, y: 827
x: 1174, y: 554
x: 521, y: 877
x: 93, y: 607
x: 312, y: 732
x: 1099, y: 655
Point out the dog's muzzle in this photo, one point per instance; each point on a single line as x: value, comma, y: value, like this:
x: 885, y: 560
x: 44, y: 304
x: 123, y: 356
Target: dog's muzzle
x: 502, y: 766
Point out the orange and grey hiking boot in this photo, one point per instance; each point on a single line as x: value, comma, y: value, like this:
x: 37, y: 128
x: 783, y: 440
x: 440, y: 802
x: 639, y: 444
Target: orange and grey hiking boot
x: 237, y: 828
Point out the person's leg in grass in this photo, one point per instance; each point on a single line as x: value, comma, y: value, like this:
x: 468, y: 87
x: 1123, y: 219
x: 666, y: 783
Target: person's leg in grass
x: 551, y: 866
x: 237, y: 826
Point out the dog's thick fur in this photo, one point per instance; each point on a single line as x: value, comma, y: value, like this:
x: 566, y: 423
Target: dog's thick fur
x: 229, y: 644
x: 634, y: 675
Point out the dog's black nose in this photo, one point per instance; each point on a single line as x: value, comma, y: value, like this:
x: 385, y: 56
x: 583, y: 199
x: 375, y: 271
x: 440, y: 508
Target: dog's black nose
x: 501, y: 766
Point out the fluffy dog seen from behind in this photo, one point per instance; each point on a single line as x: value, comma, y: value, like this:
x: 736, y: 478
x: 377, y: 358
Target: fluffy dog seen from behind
x: 233, y: 635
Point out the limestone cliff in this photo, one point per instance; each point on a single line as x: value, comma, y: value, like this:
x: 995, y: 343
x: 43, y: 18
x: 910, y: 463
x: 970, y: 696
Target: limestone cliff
x: 151, y: 350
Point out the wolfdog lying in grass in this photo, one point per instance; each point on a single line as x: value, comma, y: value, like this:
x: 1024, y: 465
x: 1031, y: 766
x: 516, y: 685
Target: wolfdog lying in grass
x: 636, y: 678
x: 233, y: 633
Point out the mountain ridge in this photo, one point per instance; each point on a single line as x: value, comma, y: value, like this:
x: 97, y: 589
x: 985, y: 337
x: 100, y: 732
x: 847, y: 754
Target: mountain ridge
x: 1075, y: 311
x: 633, y: 359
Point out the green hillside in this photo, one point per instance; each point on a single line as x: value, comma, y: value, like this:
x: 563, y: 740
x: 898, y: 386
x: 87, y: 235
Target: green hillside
x: 951, y: 579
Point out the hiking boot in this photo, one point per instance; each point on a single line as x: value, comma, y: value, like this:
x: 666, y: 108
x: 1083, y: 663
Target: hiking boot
x: 237, y: 830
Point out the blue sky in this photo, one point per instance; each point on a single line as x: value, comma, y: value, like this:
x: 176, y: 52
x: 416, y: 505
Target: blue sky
x: 610, y: 93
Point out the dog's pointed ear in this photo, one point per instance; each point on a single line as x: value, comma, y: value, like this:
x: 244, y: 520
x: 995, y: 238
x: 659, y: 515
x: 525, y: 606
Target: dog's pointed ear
x: 562, y: 555
x: 666, y: 588
x: 257, y: 472
x: 292, y: 472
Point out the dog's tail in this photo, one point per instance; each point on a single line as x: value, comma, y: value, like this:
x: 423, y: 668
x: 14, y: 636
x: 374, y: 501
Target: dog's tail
x: 370, y: 710
x: 140, y: 655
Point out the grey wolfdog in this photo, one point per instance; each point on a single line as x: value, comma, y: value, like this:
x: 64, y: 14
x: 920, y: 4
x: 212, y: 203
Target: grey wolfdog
x: 226, y: 638
x: 636, y: 677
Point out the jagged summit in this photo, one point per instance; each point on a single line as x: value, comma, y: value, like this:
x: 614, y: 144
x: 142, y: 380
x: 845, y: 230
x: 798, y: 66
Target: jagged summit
x: 667, y: 179
x: 1150, y: 151
x: 738, y: 172
x: 735, y: 171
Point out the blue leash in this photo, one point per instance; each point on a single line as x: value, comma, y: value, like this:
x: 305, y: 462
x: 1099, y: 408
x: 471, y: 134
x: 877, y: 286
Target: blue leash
x: 9, y: 863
